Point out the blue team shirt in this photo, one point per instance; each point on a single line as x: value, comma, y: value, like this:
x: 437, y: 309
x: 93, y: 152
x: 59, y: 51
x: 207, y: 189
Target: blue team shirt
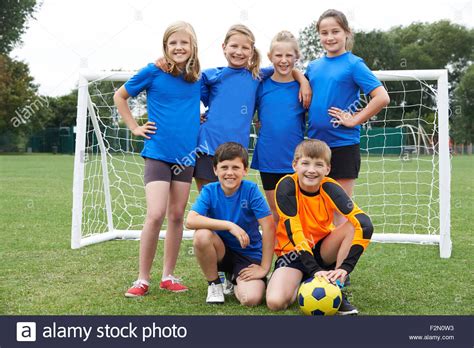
x: 230, y: 95
x: 243, y: 208
x: 173, y: 104
x: 282, y: 126
x: 337, y: 81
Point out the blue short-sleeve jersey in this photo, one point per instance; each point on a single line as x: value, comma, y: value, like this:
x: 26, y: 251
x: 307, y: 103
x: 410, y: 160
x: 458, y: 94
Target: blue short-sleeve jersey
x: 336, y: 82
x: 229, y: 93
x: 282, y: 126
x: 243, y: 208
x: 173, y: 104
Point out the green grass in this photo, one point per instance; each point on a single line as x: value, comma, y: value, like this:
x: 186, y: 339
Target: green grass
x: 40, y: 274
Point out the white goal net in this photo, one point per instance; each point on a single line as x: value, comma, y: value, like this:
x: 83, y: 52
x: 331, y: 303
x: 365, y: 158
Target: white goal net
x: 404, y: 182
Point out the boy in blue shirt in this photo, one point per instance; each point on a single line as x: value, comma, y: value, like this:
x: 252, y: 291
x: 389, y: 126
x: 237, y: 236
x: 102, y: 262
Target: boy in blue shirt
x: 226, y: 216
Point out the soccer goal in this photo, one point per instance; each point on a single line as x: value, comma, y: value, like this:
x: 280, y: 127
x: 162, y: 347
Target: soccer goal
x: 404, y: 183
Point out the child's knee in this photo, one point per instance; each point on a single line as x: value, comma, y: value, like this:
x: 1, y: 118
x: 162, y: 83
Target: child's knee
x: 251, y: 300
x: 202, y: 238
x: 249, y: 294
x: 276, y: 303
x: 176, y: 214
x: 155, y: 220
x: 176, y: 217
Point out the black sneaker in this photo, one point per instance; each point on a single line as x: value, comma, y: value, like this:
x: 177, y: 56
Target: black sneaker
x: 347, y: 282
x: 346, y: 308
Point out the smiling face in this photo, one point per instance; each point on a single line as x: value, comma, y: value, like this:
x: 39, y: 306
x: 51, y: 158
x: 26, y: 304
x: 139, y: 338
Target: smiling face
x: 230, y: 174
x: 178, y: 47
x: 310, y: 172
x: 283, y: 57
x: 238, y: 51
x: 333, y: 37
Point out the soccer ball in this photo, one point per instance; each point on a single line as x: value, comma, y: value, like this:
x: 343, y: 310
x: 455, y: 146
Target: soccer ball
x: 318, y: 297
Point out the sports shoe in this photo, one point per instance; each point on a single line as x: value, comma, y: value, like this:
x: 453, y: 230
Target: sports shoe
x: 173, y: 284
x: 215, y: 293
x: 346, y: 308
x: 228, y: 287
x: 139, y: 288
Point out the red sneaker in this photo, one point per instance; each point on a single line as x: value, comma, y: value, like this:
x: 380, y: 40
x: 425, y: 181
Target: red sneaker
x: 173, y: 284
x: 139, y: 288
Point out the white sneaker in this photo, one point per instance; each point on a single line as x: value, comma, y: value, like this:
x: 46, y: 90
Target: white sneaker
x: 215, y: 293
x: 228, y: 287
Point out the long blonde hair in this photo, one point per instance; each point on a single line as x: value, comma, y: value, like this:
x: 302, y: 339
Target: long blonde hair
x: 341, y: 19
x: 254, y: 61
x: 286, y: 36
x: 192, y: 70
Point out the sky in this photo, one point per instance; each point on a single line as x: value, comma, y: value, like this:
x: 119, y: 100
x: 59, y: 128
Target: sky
x: 70, y: 36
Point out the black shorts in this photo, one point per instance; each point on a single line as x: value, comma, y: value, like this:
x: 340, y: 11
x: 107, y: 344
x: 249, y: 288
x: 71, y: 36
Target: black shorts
x: 269, y: 180
x: 233, y: 262
x: 345, y: 162
x: 204, y: 168
x: 293, y: 260
x: 156, y: 170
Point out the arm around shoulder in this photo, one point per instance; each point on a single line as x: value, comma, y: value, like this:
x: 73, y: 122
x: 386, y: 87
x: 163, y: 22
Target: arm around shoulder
x: 305, y: 93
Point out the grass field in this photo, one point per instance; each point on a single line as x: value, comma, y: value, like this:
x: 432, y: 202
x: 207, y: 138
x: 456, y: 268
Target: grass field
x: 40, y: 274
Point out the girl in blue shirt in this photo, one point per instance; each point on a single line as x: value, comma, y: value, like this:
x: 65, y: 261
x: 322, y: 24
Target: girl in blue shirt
x: 229, y: 94
x: 281, y: 116
x: 170, y: 144
x: 335, y: 114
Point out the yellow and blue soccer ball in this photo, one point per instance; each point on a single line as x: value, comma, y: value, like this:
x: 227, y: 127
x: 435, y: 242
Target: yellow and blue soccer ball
x: 318, y: 297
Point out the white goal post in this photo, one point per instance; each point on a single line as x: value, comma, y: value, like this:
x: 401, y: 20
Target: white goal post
x: 404, y: 183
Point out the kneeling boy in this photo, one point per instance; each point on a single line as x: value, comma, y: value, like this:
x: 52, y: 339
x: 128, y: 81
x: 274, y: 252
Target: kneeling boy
x: 226, y: 216
x: 308, y: 243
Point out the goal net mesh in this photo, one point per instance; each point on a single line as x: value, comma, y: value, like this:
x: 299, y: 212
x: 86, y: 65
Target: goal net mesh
x: 398, y: 184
